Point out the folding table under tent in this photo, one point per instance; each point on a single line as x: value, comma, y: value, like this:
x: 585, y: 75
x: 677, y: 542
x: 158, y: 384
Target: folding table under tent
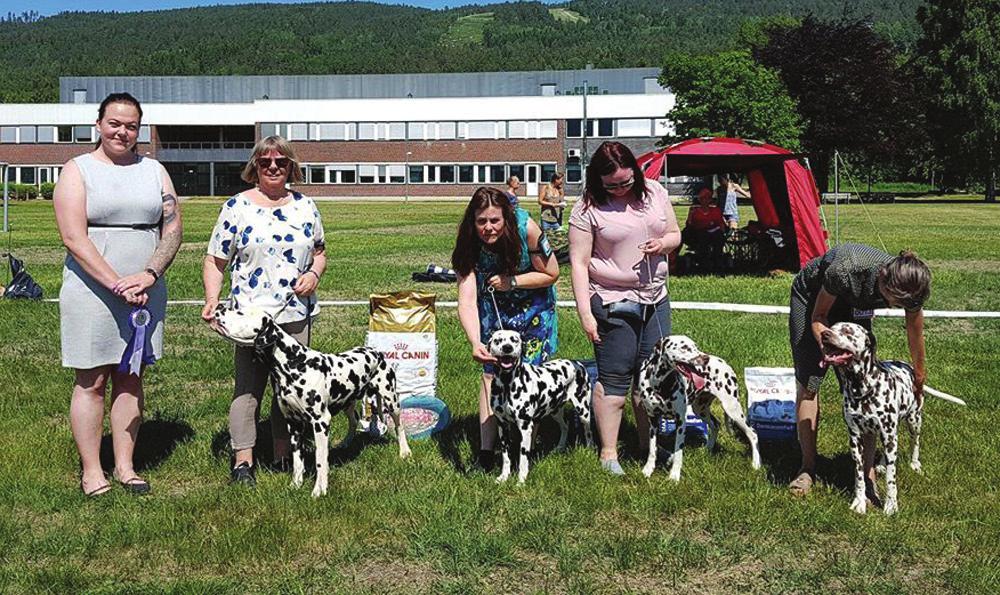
x: 783, y: 190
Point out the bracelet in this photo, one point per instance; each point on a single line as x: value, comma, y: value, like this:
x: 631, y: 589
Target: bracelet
x: 513, y: 281
x: 151, y: 271
x: 315, y: 273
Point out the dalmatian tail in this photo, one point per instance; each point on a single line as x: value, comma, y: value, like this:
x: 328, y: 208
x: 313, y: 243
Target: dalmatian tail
x: 944, y: 396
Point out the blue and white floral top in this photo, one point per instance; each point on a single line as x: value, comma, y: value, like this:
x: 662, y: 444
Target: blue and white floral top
x: 268, y: 248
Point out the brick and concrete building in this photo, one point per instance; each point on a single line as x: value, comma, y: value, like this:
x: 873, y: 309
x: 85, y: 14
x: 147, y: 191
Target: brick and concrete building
x: 415, y: 135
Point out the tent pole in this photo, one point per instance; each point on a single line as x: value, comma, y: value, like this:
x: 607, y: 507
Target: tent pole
x: 836, y: 197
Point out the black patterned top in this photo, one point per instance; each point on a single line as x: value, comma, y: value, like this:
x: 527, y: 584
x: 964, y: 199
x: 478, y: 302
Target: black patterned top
x: 849, y: 272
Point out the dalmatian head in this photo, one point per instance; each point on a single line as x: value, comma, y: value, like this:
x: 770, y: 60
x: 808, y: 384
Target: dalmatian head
x: 681, y: 353
x: 847, y: 344
x: 247, y: 327
x: 506, y: 347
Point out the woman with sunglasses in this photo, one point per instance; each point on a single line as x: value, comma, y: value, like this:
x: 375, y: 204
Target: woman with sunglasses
x: 846, y: 285
x: 271, y: 239
x: 506, y: 272
x: 619, y: 238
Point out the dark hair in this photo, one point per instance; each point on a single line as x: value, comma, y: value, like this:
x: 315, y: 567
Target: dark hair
x: 555, y: 176
x: 117, y: 98
x: 467, y: 245
x: 906, y: 280
x: 608, y: 157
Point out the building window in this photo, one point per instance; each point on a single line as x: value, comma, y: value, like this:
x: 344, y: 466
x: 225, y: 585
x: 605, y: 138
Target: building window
x: 574, y: 171
x: 574, y: 128
x: 396, y: 173
x: 416, y: 174
x: 83, y: 134
x: 79, y: 96
x: 446, y: 130
x: 635, y: 127
x: 446, y: 174
x: 367, y: 174
x: 43, y: 175
x: 334, y: 131
x: 605, y: 127
x: 517, y: 129
x: 366, y: 131
x: 270, y: 129
x: 497, y: 173
x: 416, y: 130
x: 8, y: 134
x: 298, y: 132
x: 548, y: 129
x: 548, y: 170
x: 27, y: 134
x: 27, y: 175
x: 481, y: 130
x: 46, y: 134
x: 315, y: 174
x: 145, y: 134
x: 64, y: 134
x: 465, y: 174
x: 517, y: 170
x: 397, y: 131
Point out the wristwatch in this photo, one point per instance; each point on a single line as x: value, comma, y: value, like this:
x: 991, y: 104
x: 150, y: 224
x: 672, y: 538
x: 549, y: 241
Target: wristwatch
x: 513, y: 281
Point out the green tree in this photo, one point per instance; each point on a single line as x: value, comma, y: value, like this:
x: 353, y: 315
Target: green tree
x: 728, y: 94
x: 960, y: 60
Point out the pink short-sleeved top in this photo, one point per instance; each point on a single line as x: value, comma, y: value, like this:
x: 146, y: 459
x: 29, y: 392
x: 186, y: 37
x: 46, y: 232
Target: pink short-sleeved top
x: 619, y: 270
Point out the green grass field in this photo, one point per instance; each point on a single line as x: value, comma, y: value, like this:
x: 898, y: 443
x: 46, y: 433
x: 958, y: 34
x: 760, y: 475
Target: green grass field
x: 431, y: 525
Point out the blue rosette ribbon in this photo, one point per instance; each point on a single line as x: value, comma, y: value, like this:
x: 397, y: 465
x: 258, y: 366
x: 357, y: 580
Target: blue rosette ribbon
x: 137, y: 352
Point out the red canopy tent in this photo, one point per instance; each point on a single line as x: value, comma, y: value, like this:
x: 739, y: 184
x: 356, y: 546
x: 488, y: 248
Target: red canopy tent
x: 783, y: 190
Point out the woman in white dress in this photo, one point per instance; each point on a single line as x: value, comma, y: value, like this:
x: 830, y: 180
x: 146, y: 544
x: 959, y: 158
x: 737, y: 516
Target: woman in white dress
x: 119, y: 219
x: 272, y: 241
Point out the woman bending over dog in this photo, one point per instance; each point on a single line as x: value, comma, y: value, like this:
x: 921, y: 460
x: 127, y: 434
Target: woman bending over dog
x: 272, y: 240
x: 506, y: 272
x: 845, y: 285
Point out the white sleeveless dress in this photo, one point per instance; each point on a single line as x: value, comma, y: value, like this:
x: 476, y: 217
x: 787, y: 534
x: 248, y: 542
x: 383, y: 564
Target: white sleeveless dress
x: 94, y: 321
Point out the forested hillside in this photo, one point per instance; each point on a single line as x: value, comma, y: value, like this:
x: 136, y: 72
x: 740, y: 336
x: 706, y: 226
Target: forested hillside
x: 361, y: 37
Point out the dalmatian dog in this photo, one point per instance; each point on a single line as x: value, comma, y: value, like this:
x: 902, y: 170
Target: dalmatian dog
x: 676, y: 377
x: 523, y: 394
x: 311, y: 387
x: 878, y: 396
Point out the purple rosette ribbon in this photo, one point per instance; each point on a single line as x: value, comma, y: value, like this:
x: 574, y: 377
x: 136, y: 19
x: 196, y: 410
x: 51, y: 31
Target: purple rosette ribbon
x: 137, y: 352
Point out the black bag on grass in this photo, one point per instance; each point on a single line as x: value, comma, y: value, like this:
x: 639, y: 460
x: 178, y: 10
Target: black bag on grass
x: 21, y: 283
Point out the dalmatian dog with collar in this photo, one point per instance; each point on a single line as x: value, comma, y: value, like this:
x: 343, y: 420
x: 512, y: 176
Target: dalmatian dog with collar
x: 523, y: 394
x: 311, y: 387
x: 676, y: 377
x: 878, y: 396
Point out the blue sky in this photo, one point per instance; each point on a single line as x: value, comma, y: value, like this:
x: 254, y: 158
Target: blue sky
x: 50, y: 7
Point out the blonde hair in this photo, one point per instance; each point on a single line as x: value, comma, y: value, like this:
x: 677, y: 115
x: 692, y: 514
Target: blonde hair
x: 266, y: 145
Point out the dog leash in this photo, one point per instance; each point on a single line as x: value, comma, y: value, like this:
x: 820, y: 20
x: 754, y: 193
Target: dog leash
x: 496, y: 308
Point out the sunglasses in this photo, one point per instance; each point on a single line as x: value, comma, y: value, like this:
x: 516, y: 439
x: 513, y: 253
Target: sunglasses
x: 620, y: 185
x: 279, y: 162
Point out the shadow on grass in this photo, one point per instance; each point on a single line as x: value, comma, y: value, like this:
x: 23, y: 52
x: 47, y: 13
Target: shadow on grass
x: 263, y: 450
x: 158, y: 437
x: 782, y: 459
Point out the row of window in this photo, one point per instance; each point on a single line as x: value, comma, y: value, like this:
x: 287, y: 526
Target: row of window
x: 426, y: 173
x: 85, y: 133
x: 483, y: 130
x: 32, y: 174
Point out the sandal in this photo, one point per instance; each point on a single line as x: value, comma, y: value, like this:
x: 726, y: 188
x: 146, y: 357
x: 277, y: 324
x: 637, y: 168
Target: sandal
x: 98, y: 491
x: 134, y: 485
x: 802, y: 484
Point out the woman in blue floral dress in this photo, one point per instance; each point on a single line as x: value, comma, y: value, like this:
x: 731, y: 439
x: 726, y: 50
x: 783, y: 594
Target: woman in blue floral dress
x: 500, y: 248
x: 272, y: 241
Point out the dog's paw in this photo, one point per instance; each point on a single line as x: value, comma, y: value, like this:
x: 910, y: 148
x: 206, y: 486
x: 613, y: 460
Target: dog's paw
x: 859, y: 505
x: 891, y: 507
x: 296, y: 482
x: 647, y: 469
x: 915, y: 465
x: 503, y: 478
x: 317, y: 492
x: 405, y: 453
x: 675, y: 475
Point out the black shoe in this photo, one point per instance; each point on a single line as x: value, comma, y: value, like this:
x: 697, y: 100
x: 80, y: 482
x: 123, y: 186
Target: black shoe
x: 243, y: 474
x: 282, y: 465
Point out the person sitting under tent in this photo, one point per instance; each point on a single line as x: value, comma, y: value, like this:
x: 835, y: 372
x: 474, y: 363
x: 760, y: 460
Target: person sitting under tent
x: 704, y: 230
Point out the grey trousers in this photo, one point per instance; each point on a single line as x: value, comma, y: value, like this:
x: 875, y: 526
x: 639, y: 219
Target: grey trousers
x: 251, y: 380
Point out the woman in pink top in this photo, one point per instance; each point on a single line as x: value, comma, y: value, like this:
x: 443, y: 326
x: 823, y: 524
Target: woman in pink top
x: 619, y: 236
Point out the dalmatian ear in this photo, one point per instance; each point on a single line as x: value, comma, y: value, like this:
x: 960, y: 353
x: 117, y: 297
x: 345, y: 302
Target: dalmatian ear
x: 267, y: 333
x: 872, y: 351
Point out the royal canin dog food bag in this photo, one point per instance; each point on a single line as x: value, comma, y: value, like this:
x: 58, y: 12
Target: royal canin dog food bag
x: 771, y: 402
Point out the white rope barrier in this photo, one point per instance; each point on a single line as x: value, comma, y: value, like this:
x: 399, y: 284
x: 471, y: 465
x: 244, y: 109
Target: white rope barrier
x: 704, y: 306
